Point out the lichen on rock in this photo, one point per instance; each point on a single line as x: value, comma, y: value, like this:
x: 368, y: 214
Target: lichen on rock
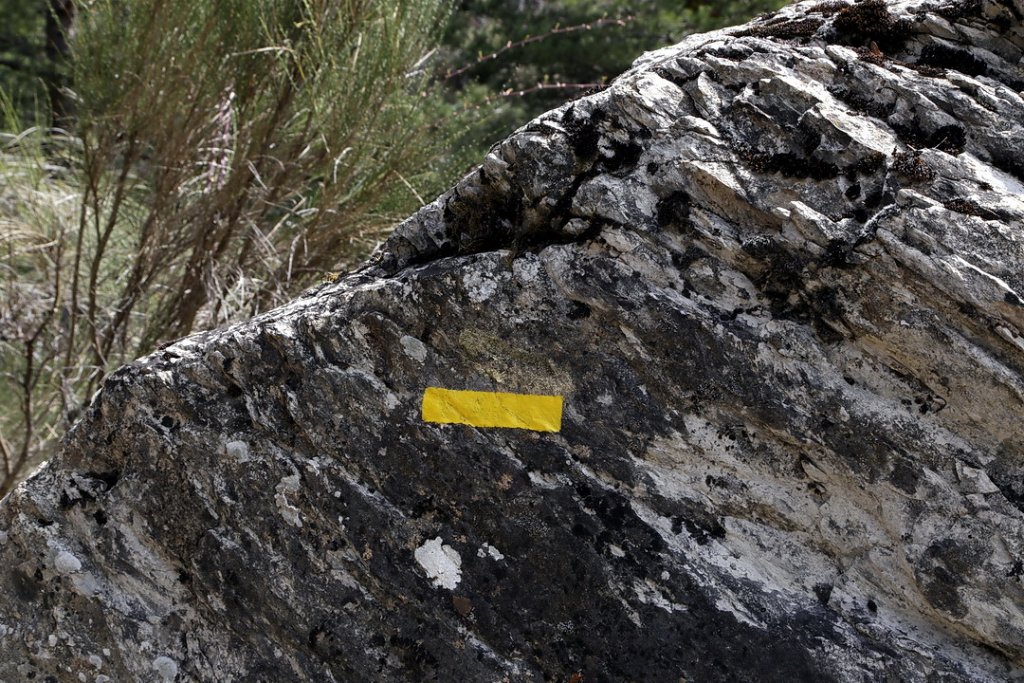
x: 774, y: 272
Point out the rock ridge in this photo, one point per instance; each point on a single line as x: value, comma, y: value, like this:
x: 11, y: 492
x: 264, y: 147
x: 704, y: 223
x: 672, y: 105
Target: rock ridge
x: 776, y: 274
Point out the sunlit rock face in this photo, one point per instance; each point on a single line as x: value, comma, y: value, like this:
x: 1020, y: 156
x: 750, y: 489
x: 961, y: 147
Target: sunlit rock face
x: 769, y: 285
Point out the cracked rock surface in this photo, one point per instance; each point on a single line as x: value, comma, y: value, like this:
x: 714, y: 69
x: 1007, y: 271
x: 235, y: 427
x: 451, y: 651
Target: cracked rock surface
x: 777, y: 274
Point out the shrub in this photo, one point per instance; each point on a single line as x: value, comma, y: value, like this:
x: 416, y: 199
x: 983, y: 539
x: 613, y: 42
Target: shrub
x: 224, y: 156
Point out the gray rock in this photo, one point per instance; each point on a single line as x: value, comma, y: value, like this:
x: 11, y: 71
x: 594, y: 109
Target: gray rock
x: 775, y: 273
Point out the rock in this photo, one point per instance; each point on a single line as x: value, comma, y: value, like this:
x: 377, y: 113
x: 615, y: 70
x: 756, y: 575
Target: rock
x: 771, y: 282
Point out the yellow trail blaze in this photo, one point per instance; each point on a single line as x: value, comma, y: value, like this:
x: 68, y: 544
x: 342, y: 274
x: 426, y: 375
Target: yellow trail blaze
x: 493, y: 409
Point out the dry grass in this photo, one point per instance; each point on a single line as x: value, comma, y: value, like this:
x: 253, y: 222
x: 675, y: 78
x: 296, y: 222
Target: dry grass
x: 226, y: 156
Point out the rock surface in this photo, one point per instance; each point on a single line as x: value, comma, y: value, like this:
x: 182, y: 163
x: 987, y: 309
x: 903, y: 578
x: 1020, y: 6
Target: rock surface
x: 777, y: 275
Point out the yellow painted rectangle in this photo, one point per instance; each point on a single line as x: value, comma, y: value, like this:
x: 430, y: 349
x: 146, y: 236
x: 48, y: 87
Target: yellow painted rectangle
x: 493, y: 409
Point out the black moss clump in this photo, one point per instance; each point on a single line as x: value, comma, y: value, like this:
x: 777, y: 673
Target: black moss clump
x: 791, y: 165
x: 683, y: 261
x: 784, y: 277
x: 951, y: 139
x: 578, y: 311
x: 875, y: 201
x: 956, y: 59
x: 870, y: 21
x: 837, y: 254
x: 1009, y: 162
x: 925, y: 70
x: 829, y: 7
x: 826, y: 303
x: 911, y: 166
x: 732, y: 52
x: 486, y: 220
x: 871, y: 54
x: 625, y: 155
x: 583, y: 132
x: 962, y: 9
x: 943, y: 570
x: 702, y: 530
x: 861, y: 103
x: 969, y: 207
x: 674, y: 211
x: 904, y: 477
x: 786, y: 30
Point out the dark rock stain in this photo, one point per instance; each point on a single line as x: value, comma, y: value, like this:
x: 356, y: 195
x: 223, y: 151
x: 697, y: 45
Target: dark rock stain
x: 869, y: 21
x: 946, y: 57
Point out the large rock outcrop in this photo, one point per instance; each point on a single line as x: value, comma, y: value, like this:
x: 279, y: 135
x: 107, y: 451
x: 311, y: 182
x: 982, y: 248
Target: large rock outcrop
x: 776, y: 275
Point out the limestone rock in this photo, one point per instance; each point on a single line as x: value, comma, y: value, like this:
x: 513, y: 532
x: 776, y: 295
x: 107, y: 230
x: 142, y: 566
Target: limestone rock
x: 775, y: 273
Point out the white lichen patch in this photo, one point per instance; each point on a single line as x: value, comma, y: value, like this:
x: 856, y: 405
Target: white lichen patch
x: 413, y: 348
x: 85, y: 584
x: 526, y: 268
x: 287, y: 485
x: 650, y: 594
x: 166, y: 667
x: 66, y: 563
x: 239, y: 450
x: 442, y: 563
x: 479, y: 287
x: 544, y: 480
x: 489, y: 550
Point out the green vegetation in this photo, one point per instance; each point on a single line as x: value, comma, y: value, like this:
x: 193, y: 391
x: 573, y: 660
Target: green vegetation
x: 223, y: 156
x: 212, y: 159
x: 23, y: 62
x: 545, y: 52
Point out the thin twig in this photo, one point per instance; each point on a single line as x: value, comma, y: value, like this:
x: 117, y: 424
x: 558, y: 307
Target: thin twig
x: 557, y: 30
x: 550, y: 86
x: 5, y: 453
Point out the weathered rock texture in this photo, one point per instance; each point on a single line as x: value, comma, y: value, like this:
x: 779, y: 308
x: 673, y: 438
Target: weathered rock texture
x: 776, y: 272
